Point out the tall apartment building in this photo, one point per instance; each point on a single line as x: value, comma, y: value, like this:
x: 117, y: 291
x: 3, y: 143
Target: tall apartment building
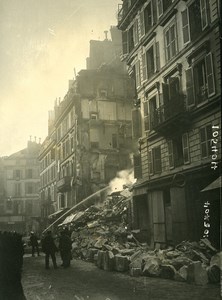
x: 92, y: 132
x: 19, y: 190
x: 172, y: 49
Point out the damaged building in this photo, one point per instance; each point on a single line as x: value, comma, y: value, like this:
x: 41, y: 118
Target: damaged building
x: 172, y: 49
x: 90, y: 135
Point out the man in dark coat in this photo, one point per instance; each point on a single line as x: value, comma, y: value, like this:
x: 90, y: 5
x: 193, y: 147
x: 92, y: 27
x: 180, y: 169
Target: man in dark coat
x: 65, y: 246
x: 49, y: 248
x: 11, y: 261
x: 34, y: 243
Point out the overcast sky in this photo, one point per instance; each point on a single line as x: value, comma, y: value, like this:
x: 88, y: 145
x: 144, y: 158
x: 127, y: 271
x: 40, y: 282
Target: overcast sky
x: 41, y: 42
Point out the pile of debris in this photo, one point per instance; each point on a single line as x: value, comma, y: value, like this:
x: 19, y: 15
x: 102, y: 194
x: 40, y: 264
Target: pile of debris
x: 100, y: 234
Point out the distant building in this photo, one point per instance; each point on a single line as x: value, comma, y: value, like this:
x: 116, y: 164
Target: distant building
x: 19, y: 190
x: 172, y: 48
x: 106, y: 51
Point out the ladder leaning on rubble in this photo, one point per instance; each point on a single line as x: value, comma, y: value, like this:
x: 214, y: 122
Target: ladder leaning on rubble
x: 76, y: 206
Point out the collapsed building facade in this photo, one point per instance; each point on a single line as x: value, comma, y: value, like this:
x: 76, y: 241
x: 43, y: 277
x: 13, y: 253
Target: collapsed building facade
x: 90, y: 132
x: 172, y: 50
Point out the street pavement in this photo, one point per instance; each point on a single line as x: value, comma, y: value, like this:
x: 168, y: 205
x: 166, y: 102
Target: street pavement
x: 84, y: 281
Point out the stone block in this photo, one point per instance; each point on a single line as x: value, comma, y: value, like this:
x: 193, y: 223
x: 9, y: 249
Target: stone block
x: 197, y: 274
x: 90, y: 254
x: 109, y: 261
x: 217, y: 260
x: 167, y: 271
x: 95, y: 258
x: 151, y: 267
x: 213, y: 273
x: 181, y: 275
x: 180, y: 261
x: 100, y: 259
x: 121, y: 263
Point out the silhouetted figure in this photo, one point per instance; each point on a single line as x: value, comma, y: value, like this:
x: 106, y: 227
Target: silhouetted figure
x: 49, y: 248
x: 11, y: 261
x: 65, y: 246
x: 34, y: 243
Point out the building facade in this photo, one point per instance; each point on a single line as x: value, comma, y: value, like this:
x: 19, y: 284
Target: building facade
x: 20, y: 206
x: 48, y: 172
x: 172, y: 49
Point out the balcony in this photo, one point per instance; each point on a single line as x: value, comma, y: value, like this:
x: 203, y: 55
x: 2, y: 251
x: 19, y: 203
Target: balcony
x: 95, y: 122
x: 64, y: 184
x: 126, y: 9
x: 171, y: 117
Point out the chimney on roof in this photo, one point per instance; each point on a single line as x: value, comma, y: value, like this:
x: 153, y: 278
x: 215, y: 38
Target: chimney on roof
x: 106, y: 33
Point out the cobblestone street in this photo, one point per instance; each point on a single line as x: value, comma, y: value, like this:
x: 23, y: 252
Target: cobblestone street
x: 84, y: 280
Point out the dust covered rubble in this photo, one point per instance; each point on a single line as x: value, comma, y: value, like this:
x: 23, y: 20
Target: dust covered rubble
x: 101, y: 235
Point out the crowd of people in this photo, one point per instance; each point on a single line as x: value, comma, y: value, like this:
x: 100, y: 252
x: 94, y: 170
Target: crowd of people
x: 50, y: 247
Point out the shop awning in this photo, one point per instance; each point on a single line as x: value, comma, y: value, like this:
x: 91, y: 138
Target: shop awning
x: 216, y: 184
x: 57, y: 213
x: 72, y: 218
x: 67, y: 220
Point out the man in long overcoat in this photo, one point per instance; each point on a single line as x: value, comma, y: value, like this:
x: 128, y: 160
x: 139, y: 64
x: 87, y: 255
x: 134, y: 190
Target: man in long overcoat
x: 65, y: 247
x: 49, y: 248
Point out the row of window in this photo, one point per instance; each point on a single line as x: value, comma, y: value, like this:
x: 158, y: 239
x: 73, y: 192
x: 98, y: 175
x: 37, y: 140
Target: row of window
x: 178, y: 151
x: 66, y: 147
x: 66, y: 124
x: 200, y: 86
x: 48, y: 176
x: 19, y: 207
x: 48, y: 193
x: 191, y: 26
x: 29, y: 188
x: 48, y: 159
x: 67, y: 169
x: 21, y: 174
x: 194, y: 19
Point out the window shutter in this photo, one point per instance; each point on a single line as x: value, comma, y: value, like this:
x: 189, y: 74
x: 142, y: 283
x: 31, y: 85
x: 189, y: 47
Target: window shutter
x: 146, y: 116
x: 136, y: 123
x: 165, y: 88
x: 190, y: 87
x: 144, y: 66
x: 150, y: 161
x: 157, y: 160
x: 203, y: 140
x: 170, y: 153
x: 124, y: 42
x: 174, y: 86
x: 142, y: 24
x: 137, y: 71
x: 185, y: 144
x: 137, y: 166
x: 135, y: 32
x: 160, y: 7
x: 185, y: 26
x: 210, y: 74
x: 195, y: 20
x: 204, y: 17
x: 148, y: 17
x: 157, y: 56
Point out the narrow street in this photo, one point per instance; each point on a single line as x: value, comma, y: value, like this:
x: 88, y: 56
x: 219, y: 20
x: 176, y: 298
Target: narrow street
x: 83, y: 280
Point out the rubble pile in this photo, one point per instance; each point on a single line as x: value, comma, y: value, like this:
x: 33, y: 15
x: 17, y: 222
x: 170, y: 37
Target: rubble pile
x: 101, y: 235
